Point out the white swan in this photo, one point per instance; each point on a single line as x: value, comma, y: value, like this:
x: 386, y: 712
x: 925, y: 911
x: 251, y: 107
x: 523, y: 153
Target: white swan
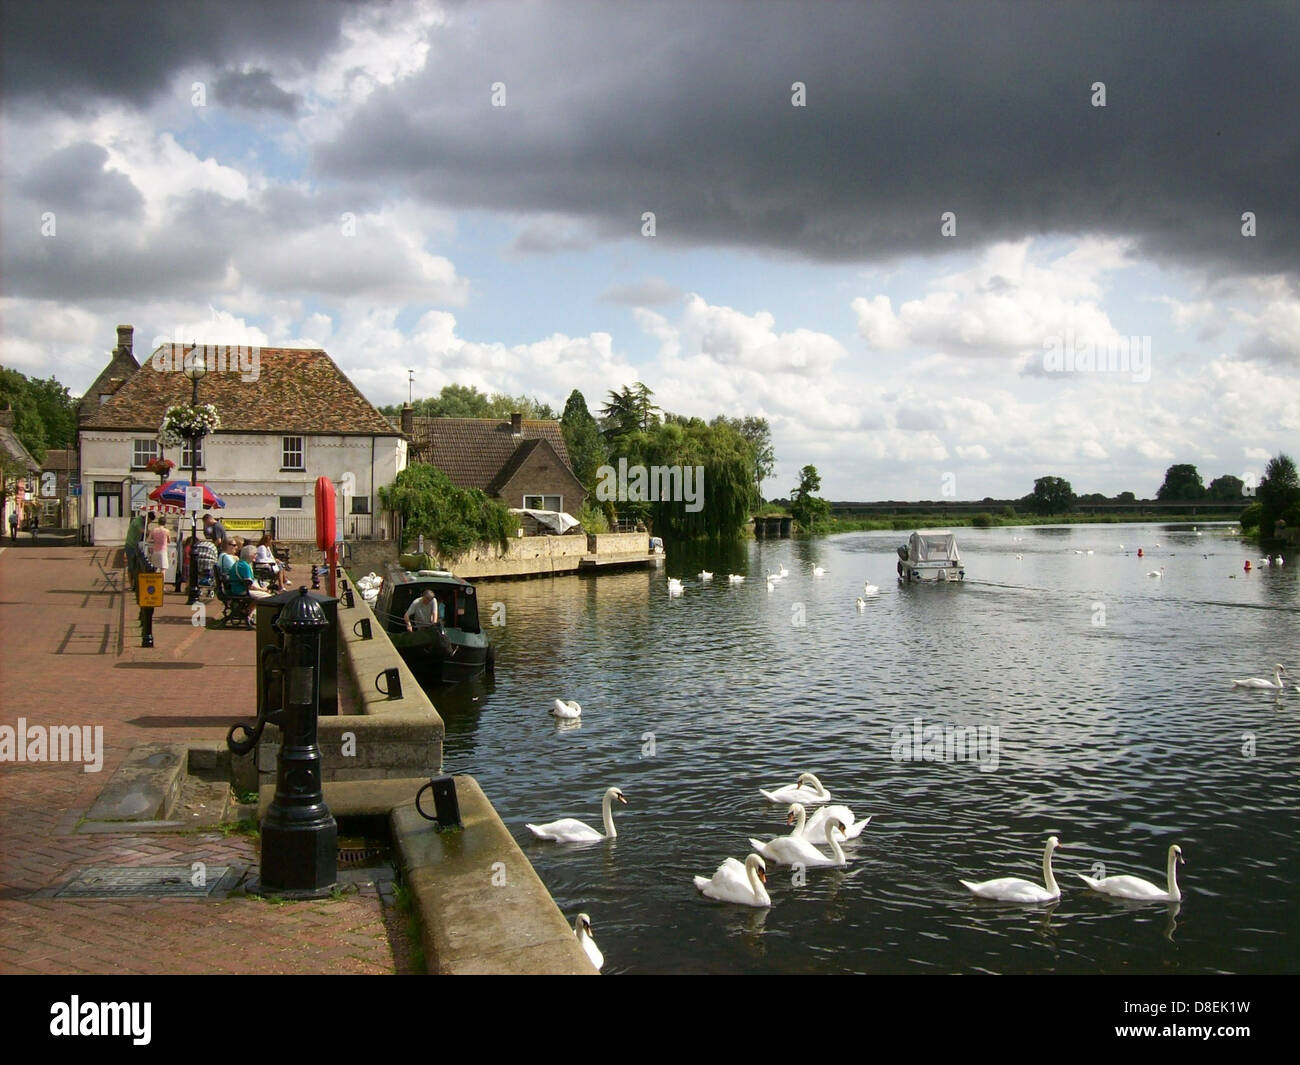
x: 773, y: 577
x: 582, y: 929
x: 735, y: 578
x: 815, y: 827
x: 798, y: 850
x: 807, y: 790
x: 1134, y: 887
x: 674, y: 587
x: 862, y: 604
x: 1014, y: 889
x: 783, y: 571
x: 566, y: 708
x: 1280, y: 561
x: 569, y: 830
x: 738, y: 883
x: 1265, y: 561
x: 868, y: 588
x: 1157, y: 574
x: 705, y: 575
x: 1259, y: 682
x: 818, y: 571
x: 770, y: 586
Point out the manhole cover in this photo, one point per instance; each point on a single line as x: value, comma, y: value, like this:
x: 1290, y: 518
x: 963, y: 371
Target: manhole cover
x: 147, y: 881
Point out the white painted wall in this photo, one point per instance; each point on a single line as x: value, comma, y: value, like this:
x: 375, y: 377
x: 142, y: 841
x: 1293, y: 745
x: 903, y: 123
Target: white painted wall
x: 244, y: 469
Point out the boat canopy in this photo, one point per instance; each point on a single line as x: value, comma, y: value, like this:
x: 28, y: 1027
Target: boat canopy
x: 555, y: 520
x: 933, y: 549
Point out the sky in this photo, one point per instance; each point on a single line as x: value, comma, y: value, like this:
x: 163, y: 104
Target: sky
x: 943, y: 248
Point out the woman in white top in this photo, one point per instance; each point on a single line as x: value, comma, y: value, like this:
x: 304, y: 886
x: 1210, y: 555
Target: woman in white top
x: 265, y: 558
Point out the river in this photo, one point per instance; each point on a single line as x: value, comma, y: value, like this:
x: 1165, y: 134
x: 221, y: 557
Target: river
x: 1116, y: 729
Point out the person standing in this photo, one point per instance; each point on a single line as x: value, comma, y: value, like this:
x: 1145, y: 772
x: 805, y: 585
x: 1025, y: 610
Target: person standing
x: 36, y: 524
x: 213, y: 529
x: 13, y: 525
x: 134, y: 533
x: 159, y: 539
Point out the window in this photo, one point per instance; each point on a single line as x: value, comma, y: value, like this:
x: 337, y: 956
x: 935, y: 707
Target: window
x: 108, y: 499
x: 291, y: 502
x: 292, y: 454
x: 360, y: 504
x: 543, y: 502
x: 187, y: 462
x: 143, y: 452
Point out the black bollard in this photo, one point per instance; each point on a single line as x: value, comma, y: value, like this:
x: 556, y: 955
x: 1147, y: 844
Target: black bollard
x: 146, y: 626
x: 299, y: 835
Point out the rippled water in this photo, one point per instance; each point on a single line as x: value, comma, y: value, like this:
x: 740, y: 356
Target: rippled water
x: 1120, y: 738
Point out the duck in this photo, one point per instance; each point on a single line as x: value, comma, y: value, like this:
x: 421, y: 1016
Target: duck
x: 741, y: 884
x: 570, y: 830
x: 705, y: 575
x: 1259, y: 682
x: 807, y: 790
x: 799, y: 850
x: 566, y: 708
x: 582, y: 929
x: 1014, y: 889
x: 1134, y: 887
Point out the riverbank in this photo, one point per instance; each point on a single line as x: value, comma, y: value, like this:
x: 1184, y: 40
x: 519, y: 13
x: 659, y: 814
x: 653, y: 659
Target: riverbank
x: 911, y: 522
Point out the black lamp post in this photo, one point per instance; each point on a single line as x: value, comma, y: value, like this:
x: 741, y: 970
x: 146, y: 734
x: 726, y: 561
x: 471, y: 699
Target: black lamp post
x: 196, y: 368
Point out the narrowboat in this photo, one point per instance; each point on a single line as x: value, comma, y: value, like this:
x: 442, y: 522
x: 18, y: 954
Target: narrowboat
x: 454, y: 651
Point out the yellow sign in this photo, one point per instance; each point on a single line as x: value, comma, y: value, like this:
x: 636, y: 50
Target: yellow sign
x: 243, y: 524
x: 149, y: 589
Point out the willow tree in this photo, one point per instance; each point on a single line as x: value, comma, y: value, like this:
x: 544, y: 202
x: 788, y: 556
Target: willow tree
x: 455, y: 519
x: 721, y: 462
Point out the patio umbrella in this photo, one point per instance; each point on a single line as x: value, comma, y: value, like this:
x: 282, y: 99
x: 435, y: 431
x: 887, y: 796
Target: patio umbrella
x: 173, y: 494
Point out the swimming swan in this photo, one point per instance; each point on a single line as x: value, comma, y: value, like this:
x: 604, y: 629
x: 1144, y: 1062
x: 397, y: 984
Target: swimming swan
x: 868, y: 588
x: 1014, y: 889
x: 1259, y: 682
x: 1134, y: 887
x: 738, y: 883
x: 815, y: 827
x: 566, y: 708
x: 705, y: 575
x: 582, y: 929
x: 798, y: 850
x: 807, y: 790
x: 569, y: 830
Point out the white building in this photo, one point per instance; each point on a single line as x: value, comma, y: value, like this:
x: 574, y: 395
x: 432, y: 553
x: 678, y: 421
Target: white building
x: 288, y: 416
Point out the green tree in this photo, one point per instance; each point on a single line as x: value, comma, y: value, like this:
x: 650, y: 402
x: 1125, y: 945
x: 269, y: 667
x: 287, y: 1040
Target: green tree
x: 630, y: 411
x: 1051, y: 495
x: 1126, y: 497
x: 759, y: 434
x: 1278, y: 494
x: 1182, y: 482
x: 1226, y: 489
x: 455, y: 519
x: 587, y: 450
x: 809, y: 511
x: 44, y: 412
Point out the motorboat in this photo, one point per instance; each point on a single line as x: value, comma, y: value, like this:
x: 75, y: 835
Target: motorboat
x: 455, y: 650
x: 930, y: 558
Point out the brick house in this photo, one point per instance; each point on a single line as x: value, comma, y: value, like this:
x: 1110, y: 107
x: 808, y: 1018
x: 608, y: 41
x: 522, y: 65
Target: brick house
x: 288, y: 415
x: 521, y: 462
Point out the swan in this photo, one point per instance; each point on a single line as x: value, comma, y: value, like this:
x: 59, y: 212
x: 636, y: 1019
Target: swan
x: 807, y: 790
x: 1280, y: 561
x: 1265, y: 561
x: 798, y: 850
x: 1134, y: 887
x: 582, y: 929
x: 569, y: 830
x: 783, y: 571
x: 771, y: 577
x: 735, y: 578
x: 674, y: 587
x: 818, y: 571
x: 738, y: 883
x: 1259, y: 682
x: 1020, y: 556
x: 770, y: 586
x: 814, y: 828
x: 1013, y: 889
x: 566, y: 708
x: 1157, y: 574
x: 862, y: 604
x: 868, y: 588
x: 705, y: 575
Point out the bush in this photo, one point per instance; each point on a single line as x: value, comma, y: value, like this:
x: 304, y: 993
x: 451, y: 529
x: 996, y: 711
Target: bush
x: 983, y: 521
x: 593, y: 517
x: 453, y: 518
x: 1250, y: 517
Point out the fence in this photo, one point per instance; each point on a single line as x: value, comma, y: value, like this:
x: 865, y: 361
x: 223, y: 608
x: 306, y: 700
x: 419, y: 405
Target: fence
x: 355, y: 527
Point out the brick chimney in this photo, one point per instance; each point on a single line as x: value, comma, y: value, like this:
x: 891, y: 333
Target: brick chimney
x: 516, y: 425
x: 125, y: 339
x: 408, y: 419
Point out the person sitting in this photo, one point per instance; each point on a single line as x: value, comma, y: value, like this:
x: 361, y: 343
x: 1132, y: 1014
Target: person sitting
x: 423, y: 613
x: 264, y: 560
x: 247, y: 549
x: 240, y: 581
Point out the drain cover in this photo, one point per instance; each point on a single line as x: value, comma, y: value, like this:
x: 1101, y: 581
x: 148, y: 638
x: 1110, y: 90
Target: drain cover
x: 147, y: 881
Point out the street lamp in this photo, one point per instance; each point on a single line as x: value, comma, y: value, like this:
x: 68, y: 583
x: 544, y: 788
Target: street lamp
x: 196, y: 367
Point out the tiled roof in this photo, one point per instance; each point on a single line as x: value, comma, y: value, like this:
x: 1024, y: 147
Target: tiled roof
x: 121, y: 368
x: 291, y: 390
x: 13, y: 448
x: 474, y: 452
x: 59, y: 458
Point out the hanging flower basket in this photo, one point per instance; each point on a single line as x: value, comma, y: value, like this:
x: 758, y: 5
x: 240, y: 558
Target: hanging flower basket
x: 187, y: 423
x: 162, y: 467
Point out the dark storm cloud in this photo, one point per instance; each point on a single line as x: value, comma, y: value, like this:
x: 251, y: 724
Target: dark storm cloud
x: 254, y: 90
x: 912, y: 110
x: 73, y: 179
x: 74, y: 51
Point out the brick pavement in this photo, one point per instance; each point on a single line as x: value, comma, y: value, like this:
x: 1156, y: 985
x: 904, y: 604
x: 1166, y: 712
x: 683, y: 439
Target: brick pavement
x: 72, y: 656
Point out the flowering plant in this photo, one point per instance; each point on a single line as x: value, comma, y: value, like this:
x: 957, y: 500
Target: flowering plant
x: 186, y: 423
x: 160, y: 466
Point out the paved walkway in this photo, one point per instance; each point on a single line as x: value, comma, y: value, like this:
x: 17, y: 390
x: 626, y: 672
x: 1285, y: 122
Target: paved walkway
x: 72, y: 656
